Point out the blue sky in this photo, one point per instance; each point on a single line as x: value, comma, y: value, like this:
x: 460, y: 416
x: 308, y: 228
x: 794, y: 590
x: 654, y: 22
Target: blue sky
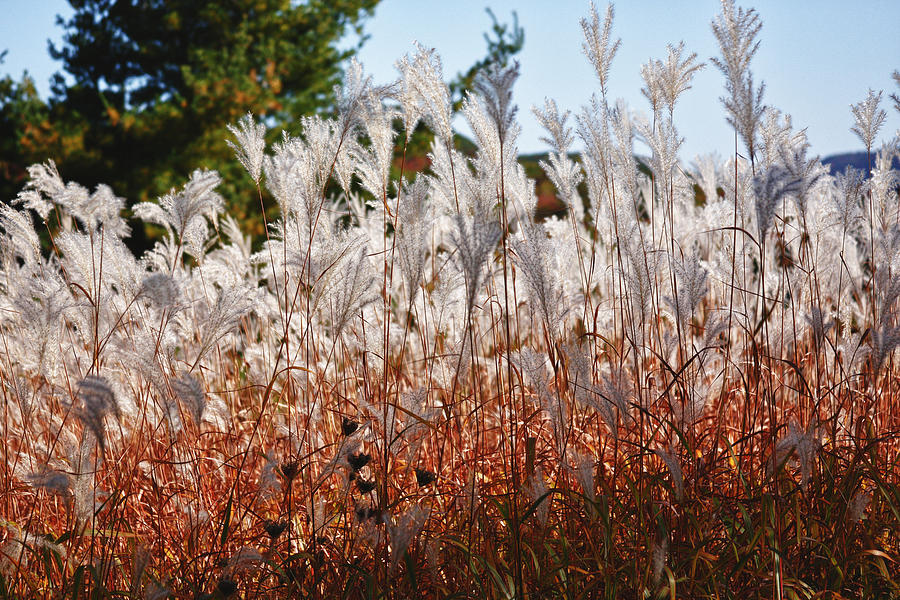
x: 816, y: 58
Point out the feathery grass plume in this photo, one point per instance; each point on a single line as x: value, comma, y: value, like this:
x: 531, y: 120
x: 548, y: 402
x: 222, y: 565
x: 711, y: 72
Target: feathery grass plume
x: 53, y: 481
x: 847, y: 202
x: 18, y: 392
x: 474, y: 241
x: 775, y: 134
x: 424, y: 94
x: 490, y: 115
x: 41, y: 306
x: 189, y: 392
x: 689, y: 408
x: 157, y: 591
x: 673, y: 464
x: 320, y: 516
x: 96, y: 399
x: 140, y: 562
x: 882, y: 186
x: 353, y: 290
x: 665, y: 81
x: 533, y: 367
x: 356, y: 97
x: 563, y: 172
x: 611, y: 393
x: 20, y: 240
x: 419, y: 415
x: 405, y: 531
x: 664, y: 142
x: 540, y: 496
x: 625, y: 171
x: 414, y: 228
x: 100, y: 208
x: 896, y: 97
x: 597, y: 44
x: 244, y: 560
x: 816, y: 320
x: 494, y: 87
x: 883, y: 339
x: 580, y: 373
x: 617, y: 388
x: 15, y: 550
x: 659, y: 551
x: 373, y: 161
x: 531, y: 249
x: 44, y: 182
x: 808, y: 171
x: 735, y: 31
x: 805, y: 444
x: 184, y: 213
x: 705, y: 172
x: 858, y: 504
x: 299, y: 170
x: 770, y: 187
x: 583, y: 468
x: 640, y: 274
x: 84, y: 490
x: 223, y: 316
x: 692, y: 287
x: 162, y: 290
x: 269, y: 483
x: 251, y: 145
x: 593, y: 130
x: 868, y: 118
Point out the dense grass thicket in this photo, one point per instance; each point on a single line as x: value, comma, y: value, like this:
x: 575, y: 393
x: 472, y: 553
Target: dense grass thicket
x: 683, y: 387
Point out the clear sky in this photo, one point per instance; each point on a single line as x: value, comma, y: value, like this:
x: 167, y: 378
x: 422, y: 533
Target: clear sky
x: 816, y: 58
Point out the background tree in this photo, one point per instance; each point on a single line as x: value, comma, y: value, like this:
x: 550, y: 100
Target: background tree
x: 150, y: 86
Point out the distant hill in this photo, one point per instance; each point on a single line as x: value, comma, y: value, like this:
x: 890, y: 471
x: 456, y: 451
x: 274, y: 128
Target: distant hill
x: 858, y: 160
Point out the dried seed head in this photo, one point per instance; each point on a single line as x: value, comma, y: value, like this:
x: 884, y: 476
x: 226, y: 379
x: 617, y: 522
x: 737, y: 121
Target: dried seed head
x: 161, y: 290
x: 96, y: 400
x: 52, y: 481
x: 189, y: 392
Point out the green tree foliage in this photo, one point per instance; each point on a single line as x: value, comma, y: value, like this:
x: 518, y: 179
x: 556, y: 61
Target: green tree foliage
x: 506, y: 42
x: 151, y: 84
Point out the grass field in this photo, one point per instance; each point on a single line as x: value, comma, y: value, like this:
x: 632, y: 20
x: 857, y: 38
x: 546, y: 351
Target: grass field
x: 683, y: 387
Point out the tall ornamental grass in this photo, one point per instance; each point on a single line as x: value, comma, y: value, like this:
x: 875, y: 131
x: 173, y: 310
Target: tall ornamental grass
x: 684, y: 386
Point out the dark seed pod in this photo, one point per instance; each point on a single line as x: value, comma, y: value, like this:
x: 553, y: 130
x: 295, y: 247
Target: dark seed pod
x: 290, y: 469
x: 364, y: 513
x: 365, y: 486
x: 424, y: 477
x: 226, y: 587
x: 358, y: 461
x: 349, y: 426
x: 274, y: 529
